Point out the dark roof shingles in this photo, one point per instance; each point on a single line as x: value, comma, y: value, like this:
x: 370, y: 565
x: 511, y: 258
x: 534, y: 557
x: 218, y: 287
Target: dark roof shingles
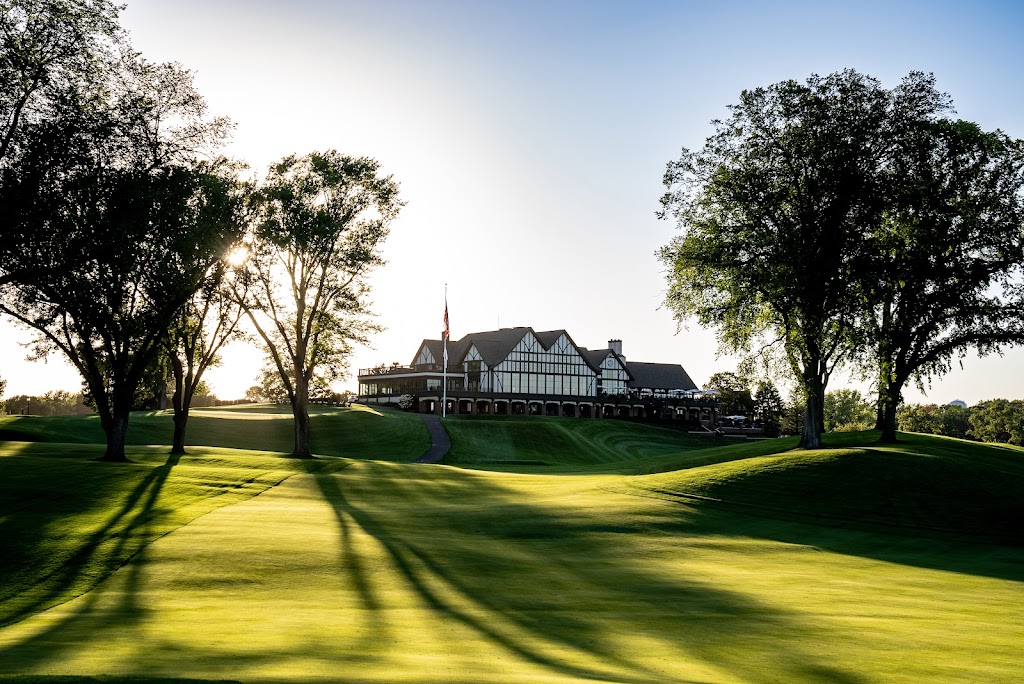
x: 663, y: 376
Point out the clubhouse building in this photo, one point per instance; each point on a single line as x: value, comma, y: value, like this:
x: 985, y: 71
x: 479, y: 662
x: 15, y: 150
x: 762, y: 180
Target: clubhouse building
x: 519, y: 371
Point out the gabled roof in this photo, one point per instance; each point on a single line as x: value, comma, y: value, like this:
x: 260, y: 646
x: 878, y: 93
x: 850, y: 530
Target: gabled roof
x: 456, y: 350
x: 549, y: 337
x: 595, y: 357
x: 434, y: 346
x: 494, y: 345
x: 659, y: 376
x: 429, y: 344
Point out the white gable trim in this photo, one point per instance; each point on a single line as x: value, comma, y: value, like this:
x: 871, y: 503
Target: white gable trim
x: 424, y: 355
x: 529, y: 343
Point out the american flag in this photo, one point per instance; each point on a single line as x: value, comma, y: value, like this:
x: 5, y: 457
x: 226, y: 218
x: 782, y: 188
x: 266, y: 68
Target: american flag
x: 445, y: 333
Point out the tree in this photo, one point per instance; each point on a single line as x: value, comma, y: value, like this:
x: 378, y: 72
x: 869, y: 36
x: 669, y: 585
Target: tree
x: 998, y: 420
x: 255, y: 395
x: 52, y: 53
x: 321, y: 219
x: 151, y: 393
x: 794, y: 414
x: 769, y: 408
x: 943, y: 268
x: 118, y: 225
x: 207, y: 322
x: 53, y: 403
x: 922, y: 418
x: 851, y: 223
x: 955, y: 421
x: 846, y: 409
x: 773, y: 209
x: 949, y: 420
x: 733, y: 394
x: 268, y: 388
x: 48, y: 47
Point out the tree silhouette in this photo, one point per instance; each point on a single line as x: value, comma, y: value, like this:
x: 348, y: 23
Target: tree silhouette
x: 207, y: 322
x: 850, y: 223
x: 117, y: 223
x: 943, y: 269
x: 772, y: 209
x: 321, y: 219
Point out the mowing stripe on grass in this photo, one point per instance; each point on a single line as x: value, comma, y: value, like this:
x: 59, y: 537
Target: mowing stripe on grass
x: 390, y: 573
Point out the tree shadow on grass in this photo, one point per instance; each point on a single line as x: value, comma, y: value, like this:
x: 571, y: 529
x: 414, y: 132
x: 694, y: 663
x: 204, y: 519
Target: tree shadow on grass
x: 108, y: 547
x: 376, y: 629
x: 927, y: 502
x: 102, y: 614
x: 501, y: 568
x: 551, y: 589
x: 922, y: 548
x: 121, y: 541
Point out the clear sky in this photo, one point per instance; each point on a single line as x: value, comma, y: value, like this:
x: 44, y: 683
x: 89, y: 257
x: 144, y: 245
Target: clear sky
x: 530, y: 139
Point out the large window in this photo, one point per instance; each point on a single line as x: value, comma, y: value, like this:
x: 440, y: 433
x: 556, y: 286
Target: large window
x: 559, y: 371
x: 614, y: 377
x: 473, y: 376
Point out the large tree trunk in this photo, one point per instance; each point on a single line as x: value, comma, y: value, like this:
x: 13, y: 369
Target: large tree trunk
x: 885, y: 396
x: 300, y: 411
x: 889, y: 423
x: 889, y: 400
x: 114, y: 410
x: 120, y: 407
x: 117, y: 432
x: 180, y: 423
x: 814, y: 414
x: 180, y: 401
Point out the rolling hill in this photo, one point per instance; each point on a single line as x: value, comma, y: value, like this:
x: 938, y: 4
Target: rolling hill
x: 557, y: 550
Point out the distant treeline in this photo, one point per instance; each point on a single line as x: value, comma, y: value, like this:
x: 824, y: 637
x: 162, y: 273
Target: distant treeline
x: 995, y: 420
x: 56, y: 403
x: 63, y: 403
x: 846, y: 410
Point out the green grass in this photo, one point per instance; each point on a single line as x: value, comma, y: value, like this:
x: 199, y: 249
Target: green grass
x: 921, y: 483
x: 741, y: 562
x: 359, y: 432
x: 105, y: 679
x: 523, y: 441
x: 67, y: 522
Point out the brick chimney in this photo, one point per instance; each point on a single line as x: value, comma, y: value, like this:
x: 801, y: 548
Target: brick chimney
x: 616, y: 346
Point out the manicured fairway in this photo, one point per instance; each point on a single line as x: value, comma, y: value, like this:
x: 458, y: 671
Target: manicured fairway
x: 514, y: 442
x: 395, y: 572
x: 67, y: 522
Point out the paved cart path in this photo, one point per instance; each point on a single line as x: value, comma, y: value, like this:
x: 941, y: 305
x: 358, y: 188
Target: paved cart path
x: 440, y: 442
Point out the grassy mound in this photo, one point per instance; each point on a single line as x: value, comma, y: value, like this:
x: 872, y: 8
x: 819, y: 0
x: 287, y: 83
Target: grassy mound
x: 534, y: 440
x: 359, y: 432
x: 924, y: 482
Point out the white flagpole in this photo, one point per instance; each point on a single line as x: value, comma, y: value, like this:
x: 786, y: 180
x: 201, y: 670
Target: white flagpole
x: 444, y: 371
